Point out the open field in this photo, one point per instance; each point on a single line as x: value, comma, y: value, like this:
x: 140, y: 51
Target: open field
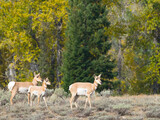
x: 141, y: 107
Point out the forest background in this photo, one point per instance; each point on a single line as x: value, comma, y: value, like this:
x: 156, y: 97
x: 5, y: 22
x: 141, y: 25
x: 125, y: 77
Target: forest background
x: 38, y: 36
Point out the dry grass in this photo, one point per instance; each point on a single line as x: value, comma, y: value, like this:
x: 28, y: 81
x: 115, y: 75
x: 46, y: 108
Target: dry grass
x: 141, y: 107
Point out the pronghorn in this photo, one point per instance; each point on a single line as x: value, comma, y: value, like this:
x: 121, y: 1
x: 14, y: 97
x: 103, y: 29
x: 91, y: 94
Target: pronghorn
x: 83, y: 88
x: 22, y: 87
x: 38, y: 91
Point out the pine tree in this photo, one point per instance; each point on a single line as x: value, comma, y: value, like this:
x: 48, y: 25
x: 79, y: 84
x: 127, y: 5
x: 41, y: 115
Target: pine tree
x: 86, y: 47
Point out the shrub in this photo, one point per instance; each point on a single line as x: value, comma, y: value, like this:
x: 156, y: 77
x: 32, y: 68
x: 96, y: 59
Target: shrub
x: 5, y: 96
x: 49, y: 92
x: 102, y: 104
x: 59, y: 96
x: 108, y: 117
x: 106, y: 93
x: 95, y: 117
x: 152, y: 118
x: 153, y: 111
x: 132, y: 118
x: 5, y: 117
x: 20, y: 107
x: 96, y: 94
x: 60, y: 92
x: 53, y: 98
x: 85, y: 113
x: 68, y: 118
x: 62, y: 111
x: 122, y: 109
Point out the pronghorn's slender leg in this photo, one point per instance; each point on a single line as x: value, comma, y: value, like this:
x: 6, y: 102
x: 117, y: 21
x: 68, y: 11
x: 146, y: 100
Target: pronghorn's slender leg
x: 75, y: 104
x: 13, y: 93
x: 71, y: 100
x: 34, y: 97
x: 45, y: 101
x: 86, y: 102
x: 38, y: 99
x: 29, y: 98
x: 89, y: 100
x: 76, y: 97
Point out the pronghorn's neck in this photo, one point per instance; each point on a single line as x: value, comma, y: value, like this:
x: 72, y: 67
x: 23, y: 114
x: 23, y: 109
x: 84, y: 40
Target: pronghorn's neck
x: 34, y: 82
x: 95, y: 85
x: 44, y: 85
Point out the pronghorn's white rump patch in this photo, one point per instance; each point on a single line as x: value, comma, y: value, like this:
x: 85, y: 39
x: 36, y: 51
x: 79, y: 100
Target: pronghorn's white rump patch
x: 70, y: 87
x: 29, y: 89
x: 23, y: 90
x: 81, y: 91
x: 11, y: 85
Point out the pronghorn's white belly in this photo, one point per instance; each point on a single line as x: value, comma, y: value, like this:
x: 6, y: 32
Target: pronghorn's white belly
x: 37, y: 93
x: 23, y: 90
x: 81, y: 91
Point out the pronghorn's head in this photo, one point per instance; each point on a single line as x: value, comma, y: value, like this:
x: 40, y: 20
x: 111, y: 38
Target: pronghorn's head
x: 47, y: 82
x: 97, y: 79
x: 37, y: 77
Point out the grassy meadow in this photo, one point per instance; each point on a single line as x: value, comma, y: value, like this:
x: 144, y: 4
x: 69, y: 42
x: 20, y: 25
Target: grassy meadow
x: 104, y: 107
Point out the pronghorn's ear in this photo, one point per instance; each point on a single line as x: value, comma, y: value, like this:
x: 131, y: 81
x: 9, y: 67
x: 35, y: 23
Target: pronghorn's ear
x: 47, y: 79
x: 94, y: 75
x: 34, y: 74
x: 100, y: 75
x: 38, y: 74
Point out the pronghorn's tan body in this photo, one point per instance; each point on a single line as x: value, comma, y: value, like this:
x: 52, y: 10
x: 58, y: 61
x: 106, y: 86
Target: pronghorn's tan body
x: 38, y: 91
x: 83, y: 88
x: 22, y: 87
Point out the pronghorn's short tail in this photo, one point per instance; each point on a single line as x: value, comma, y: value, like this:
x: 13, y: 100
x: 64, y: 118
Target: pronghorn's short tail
x: 70, y: 87
x: 11, y: 85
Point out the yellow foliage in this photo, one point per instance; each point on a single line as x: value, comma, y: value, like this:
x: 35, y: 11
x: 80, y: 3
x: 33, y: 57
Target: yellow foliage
x: 17, y: 20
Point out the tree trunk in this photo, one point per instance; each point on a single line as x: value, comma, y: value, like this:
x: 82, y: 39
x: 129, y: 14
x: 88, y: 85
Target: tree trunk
x: 119, y: 64
x: 59, y: 38
x: 11, y: 71
x: 119, y: 60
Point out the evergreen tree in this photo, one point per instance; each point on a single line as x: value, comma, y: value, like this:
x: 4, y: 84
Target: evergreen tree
x: 86, y: 47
